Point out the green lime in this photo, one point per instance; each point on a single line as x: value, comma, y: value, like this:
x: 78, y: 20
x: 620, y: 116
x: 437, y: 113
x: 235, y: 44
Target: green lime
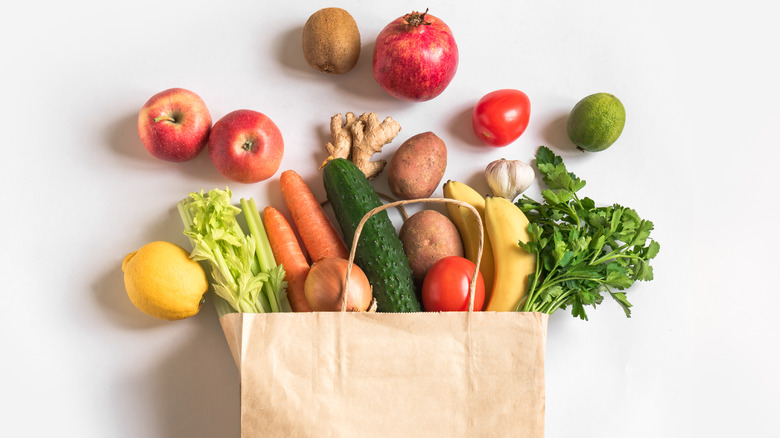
x: 596, y: 122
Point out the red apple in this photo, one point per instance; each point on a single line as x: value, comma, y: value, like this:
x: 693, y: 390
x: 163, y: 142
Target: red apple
x: 174, y: 125
x: 246, y: 146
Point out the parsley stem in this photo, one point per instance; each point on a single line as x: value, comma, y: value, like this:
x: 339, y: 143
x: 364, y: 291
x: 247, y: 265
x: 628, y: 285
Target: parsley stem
x: 576, y: 217
x: 563, y: 279
x: 555, y: 305
x: 532, y: 292
x: 615, y: 254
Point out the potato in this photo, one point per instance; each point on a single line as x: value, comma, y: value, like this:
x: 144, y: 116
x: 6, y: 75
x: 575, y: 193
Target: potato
x: 331, y: 41
x: 417, y: 166
x: 427, y: 237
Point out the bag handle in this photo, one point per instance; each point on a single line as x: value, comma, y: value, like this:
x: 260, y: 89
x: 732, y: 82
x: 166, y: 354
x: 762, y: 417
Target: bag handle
x: 480, y: 241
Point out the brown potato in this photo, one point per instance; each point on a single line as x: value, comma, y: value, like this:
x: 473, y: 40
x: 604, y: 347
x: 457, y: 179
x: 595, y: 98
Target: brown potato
x: 427, y: 237
x: 417, y: 166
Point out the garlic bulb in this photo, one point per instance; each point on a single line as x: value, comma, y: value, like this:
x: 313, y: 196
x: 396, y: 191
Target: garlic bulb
x: 509, y: 178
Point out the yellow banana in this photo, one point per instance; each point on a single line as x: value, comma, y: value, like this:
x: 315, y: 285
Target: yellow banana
x: 506, y: 225
x: 468, y: 228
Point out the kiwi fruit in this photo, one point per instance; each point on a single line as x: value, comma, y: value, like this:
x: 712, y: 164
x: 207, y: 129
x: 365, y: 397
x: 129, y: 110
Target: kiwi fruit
x: 331, y: 41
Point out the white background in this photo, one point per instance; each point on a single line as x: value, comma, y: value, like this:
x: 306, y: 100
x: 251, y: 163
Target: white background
x: 698, y: 156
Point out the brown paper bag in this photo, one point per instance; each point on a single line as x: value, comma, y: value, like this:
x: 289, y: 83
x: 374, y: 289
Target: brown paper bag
x: 339, y: 374
x: 455, y: 374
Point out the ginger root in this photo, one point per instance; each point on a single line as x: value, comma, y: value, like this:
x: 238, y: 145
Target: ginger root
x: 358, y: 139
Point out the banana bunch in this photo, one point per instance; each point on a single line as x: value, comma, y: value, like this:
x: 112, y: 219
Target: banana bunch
x: 506, y: 225
x: 468, y: 228
x: 504, y: 266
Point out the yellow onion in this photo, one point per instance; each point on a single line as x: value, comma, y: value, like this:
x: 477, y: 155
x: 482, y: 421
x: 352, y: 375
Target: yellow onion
x: 324, y: 286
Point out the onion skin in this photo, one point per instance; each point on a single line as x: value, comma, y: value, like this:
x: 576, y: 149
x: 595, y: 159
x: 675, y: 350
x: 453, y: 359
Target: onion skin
x: 415, y: 57
x: 324, y: 287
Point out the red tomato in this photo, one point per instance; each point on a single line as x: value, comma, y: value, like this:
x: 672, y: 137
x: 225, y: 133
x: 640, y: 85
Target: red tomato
x: 501, y: 116
x: 446, y: 286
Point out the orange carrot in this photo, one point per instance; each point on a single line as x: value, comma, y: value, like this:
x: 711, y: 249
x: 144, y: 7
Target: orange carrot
x: 288, y: 253
x: 319, y: 236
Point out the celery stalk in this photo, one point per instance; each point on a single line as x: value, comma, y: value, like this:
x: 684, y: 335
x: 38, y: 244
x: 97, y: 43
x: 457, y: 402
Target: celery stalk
x: 265, y: 256
x: 220, y: 304
x: 242, y: 279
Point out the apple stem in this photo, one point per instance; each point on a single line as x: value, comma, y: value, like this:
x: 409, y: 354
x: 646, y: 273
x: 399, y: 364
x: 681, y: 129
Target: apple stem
x: 164, y: 118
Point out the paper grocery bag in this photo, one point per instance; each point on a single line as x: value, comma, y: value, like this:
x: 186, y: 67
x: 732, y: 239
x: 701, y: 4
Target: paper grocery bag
x: 338, y: 374
x: 341, y: 374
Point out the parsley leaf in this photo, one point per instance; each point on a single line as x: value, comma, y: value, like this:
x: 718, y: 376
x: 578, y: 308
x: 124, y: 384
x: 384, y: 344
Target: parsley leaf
x: 582, y: 251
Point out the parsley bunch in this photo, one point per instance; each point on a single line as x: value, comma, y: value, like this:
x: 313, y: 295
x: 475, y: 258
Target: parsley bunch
x: 582, y: 251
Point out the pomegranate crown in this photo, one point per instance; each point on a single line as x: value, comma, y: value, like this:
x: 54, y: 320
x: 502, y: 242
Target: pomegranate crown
x: 416, y: 18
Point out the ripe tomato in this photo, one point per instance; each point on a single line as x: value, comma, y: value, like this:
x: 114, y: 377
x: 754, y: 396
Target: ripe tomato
x: 446, y: 286
x: 501, y: 116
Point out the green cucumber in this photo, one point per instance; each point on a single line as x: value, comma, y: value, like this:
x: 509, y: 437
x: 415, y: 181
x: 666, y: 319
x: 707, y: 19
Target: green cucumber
x: 380, y: 253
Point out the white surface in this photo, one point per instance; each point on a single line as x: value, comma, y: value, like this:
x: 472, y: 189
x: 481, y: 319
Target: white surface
x: 698, y: 157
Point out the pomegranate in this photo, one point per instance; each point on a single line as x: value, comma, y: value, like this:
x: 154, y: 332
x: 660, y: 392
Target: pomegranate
x: 415, y: 57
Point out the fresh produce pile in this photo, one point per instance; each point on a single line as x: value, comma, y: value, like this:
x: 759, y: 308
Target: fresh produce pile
x: 562, y: 251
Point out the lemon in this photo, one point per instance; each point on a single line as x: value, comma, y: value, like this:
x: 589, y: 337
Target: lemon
x: 596, y: 122
x: 162, y: 281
